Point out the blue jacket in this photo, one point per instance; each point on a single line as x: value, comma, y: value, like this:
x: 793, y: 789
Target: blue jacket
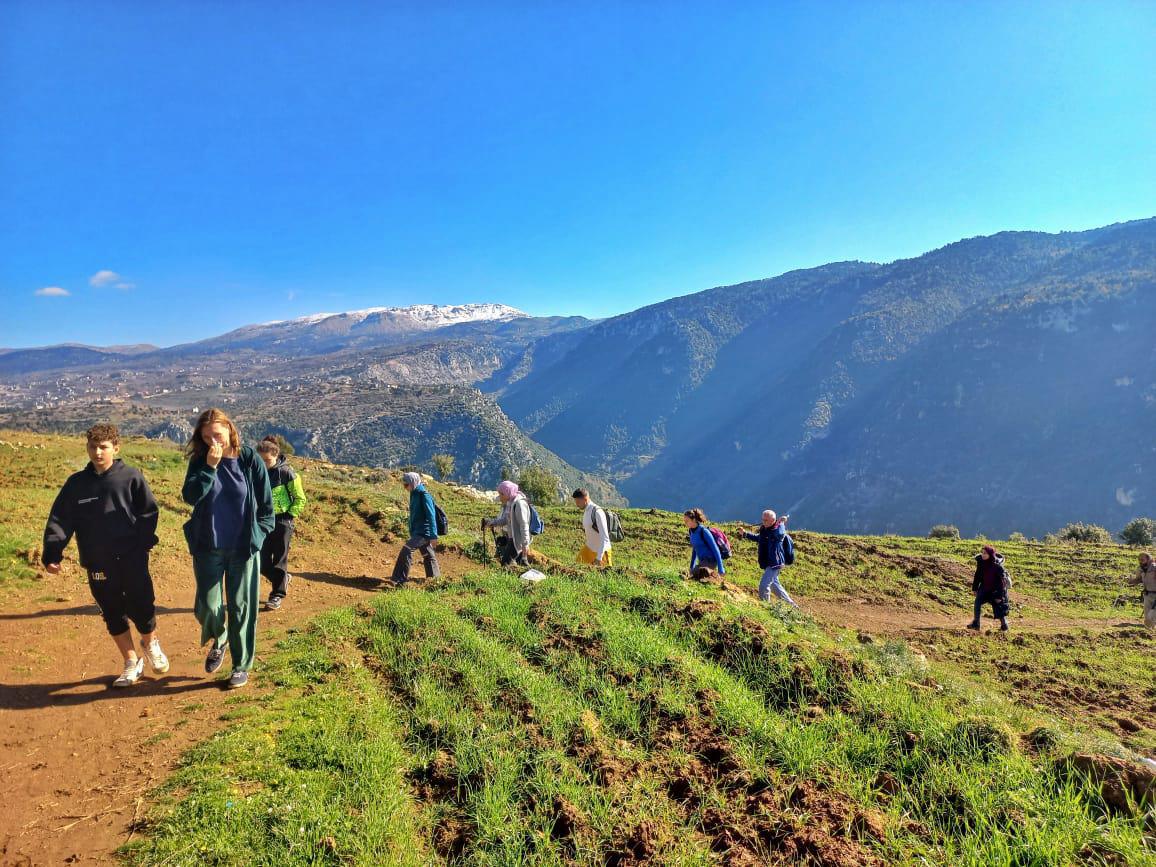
x: 704, y: 547
x: 770, y: 541
x: 422, y: 520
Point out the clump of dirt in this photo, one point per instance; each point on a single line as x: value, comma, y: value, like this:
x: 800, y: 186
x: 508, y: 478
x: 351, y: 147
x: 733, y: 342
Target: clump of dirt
x: 697, y: 609
x: 1126, y: 787
x: 641, y: 846
x: 569, y: 822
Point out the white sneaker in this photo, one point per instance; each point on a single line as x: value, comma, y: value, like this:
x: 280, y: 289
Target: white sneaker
x: 133, y: 669
x: 156, y: 656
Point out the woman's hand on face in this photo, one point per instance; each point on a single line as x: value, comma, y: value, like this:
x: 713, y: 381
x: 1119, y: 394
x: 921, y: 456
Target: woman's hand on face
x: 215, y: 453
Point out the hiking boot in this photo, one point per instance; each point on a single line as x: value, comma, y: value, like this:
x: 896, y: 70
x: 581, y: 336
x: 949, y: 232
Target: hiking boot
x: 133, y: 669
x: 1003, y: 626
x: 274, y: 603
x: 973, y: 625
x: 156, y: 656
x: 214, y: 659
x: 238, y: 679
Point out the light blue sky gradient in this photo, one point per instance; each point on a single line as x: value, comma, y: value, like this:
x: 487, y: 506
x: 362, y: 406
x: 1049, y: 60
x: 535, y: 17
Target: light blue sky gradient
x: 244, y: 161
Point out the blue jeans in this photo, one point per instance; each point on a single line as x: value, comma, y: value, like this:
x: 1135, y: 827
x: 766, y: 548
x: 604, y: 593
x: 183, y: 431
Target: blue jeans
x: 770, y: 584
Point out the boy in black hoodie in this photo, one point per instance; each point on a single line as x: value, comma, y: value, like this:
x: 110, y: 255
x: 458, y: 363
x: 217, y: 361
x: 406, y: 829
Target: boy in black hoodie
x: 112, y: 512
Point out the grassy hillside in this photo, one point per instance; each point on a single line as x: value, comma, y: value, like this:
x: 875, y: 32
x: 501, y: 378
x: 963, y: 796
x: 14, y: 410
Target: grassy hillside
x: 632, y: 716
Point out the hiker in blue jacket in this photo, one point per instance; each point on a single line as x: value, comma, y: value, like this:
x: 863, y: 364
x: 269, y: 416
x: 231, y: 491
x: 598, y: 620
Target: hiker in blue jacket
x: 703, y: 547
x: 423, y: 531
x: 771, y: 558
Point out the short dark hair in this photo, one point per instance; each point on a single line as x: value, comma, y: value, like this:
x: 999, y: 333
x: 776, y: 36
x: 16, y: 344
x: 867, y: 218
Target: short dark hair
x: 269, y: 446
x: 580, y: 494
x: 100, y: 433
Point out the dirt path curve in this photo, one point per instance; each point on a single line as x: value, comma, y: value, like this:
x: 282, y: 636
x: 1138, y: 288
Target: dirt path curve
x: 77, y: 758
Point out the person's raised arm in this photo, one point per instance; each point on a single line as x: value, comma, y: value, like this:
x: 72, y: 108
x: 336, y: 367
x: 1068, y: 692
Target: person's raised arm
x: 199, y: 478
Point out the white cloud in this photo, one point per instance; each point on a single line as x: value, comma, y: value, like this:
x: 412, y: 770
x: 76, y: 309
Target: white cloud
x: 105, y: 277
x: 52, y: 292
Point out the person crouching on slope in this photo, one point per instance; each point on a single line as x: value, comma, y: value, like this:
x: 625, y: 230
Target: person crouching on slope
x: 288, y: 503
x: 703, y: 547
x: 112, y: 512
x: 514, y: 546
x: 423, y: 531
x: 597, y: 550
x: 1146, y: 577
x: 228, y: 487
x: 990, y: 585
x: 771, y: 559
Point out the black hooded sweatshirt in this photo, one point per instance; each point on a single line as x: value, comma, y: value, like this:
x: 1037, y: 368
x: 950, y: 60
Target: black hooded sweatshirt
x: 111, y: 515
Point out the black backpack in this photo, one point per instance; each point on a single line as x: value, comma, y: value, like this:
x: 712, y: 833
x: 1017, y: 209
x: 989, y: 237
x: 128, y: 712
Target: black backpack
x: 441, y: 522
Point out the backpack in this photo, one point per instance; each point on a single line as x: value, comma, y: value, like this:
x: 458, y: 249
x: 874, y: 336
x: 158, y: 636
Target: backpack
x: 720, y: 539
x: 537, y: 525
x: 441, y: 522
x: 788, y: 550
x: 613, y: 525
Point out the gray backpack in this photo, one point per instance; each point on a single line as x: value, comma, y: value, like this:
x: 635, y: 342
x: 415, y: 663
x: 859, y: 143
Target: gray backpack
x: 613, y: 525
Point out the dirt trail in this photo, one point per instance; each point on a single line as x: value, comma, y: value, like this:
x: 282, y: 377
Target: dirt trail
x: 77, y: 757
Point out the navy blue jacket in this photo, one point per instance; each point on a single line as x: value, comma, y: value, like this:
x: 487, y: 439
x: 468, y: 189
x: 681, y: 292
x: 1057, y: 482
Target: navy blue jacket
x: 770, y: 541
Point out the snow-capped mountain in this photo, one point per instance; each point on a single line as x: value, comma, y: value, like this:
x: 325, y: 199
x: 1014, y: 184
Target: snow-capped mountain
x: 422, y: 315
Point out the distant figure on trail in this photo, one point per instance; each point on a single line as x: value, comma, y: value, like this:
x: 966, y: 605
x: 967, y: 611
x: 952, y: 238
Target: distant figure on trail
x: 288, y: 504
x: 113, y: 514
x: 423, y: 531
x: 514, y: 545
x: 596, y: 547
x: 704, y: 549
x: 770, y: 537
x: 990, y: 584
x: 1146, y: 577
x: 228, y: 487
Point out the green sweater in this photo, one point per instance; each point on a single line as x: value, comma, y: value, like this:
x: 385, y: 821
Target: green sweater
x: 199, y: 481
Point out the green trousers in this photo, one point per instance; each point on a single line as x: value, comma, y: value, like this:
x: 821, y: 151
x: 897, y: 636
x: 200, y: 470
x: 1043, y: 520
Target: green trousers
x: 232, y: 614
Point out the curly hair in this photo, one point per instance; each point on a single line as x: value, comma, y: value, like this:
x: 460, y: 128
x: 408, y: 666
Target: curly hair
x: 196, y: 447
x: 103, y: 433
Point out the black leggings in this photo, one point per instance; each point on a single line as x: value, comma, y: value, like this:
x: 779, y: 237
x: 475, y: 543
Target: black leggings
x: 123, y: 590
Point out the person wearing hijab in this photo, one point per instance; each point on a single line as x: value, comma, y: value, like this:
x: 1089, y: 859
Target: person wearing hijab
x: 423, y: 531
x: 990, y: 586
x: 514, y: 545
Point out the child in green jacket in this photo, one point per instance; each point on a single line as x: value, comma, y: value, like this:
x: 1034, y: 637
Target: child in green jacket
x: 288, y: 504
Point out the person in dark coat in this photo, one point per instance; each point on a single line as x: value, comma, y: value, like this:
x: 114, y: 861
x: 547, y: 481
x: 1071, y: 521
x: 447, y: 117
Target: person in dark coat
x: 228, y: 487
x: 990, y: 585
x: 423, y: 531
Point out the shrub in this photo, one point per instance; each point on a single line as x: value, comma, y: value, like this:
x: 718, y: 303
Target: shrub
x: 1080, y: 532
x: 540, y: 485
x: 944, y: 531
x: 443, y: 466
x: 1139, y: 531
x: 1017, y: 536
x: 283, y: 444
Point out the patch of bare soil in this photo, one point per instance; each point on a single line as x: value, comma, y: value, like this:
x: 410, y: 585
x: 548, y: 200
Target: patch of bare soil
x: 78, y: 757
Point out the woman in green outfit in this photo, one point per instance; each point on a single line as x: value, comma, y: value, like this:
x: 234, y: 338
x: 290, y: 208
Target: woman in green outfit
x: 228, y: 487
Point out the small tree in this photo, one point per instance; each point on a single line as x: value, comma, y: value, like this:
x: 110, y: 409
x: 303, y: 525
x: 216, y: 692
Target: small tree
x: 1017, y: 536
x: 540, y: 485
x: 1139, y: 531
x: 943, y: 531
x: 443, y: 466
x: 1080, y: 532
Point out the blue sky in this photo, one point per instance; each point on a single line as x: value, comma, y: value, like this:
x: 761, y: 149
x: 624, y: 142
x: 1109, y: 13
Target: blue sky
x: 230, y: 162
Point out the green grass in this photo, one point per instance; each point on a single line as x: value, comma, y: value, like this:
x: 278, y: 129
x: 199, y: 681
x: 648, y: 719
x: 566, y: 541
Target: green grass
x: 630, y: 715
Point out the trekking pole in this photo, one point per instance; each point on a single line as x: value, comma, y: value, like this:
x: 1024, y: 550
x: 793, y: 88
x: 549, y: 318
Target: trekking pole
x: 485, y: 548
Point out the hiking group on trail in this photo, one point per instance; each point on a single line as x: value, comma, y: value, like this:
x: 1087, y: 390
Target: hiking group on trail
x: 244, y: 503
